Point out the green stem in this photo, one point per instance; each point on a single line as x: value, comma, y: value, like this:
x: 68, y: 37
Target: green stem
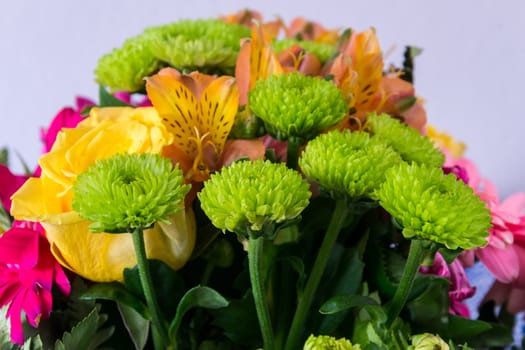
x: 292, y: 153
x: 159, y: 331
x: 255, y: 260
x: 415, y: 256
x: 336, y: 222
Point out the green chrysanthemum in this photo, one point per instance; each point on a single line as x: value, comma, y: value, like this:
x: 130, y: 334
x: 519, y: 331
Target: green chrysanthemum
x: 294, y: 105
x: 124, y: 68
x: 427, y: 341
x: 128, y: 191
x: 347, y: 162
x: 434, y: 206
x: 198, y: 44
x: 254, y: 196
x: 405, y: 140
x: 325, y: 342
x: 322, y: 51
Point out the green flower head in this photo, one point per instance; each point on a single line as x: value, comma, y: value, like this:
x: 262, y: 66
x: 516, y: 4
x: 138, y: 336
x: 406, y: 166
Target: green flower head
x: 295, y: 105
x: 405, y: 140
x: 124, y: 68
x: 128, y: 191
x: 350, y: 163
x: 434, y: 206
x: 325, y: 342
x: 427, y: 341
x: 321, y: 50
x: 251, y: 197
x: 201, y: 45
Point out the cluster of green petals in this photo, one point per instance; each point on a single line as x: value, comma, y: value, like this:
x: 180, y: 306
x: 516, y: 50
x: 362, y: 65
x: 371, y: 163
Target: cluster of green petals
x: 320, y: 50
x: 205, y: 45
x: 407, y: 141
x: 325, y: 342
x: 251, y: 197
x: 124, y: 68
x: 198, y: 44
x: 428, y: 341
x: 297, y: 106
x: 433, y: 206
x: 348, y: 163
x: 129, y: 191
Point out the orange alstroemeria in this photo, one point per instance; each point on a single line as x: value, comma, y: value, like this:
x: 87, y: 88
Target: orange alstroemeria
x: 358, y: 72
x: 401, y: 102
x: 296, y: 59
x: 311, y: 31
x: 199, y: 110
x: 256, y: 60
x: 250, y: 18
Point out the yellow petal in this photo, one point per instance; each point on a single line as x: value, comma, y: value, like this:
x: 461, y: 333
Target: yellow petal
x: 178, y: 109
x: 219, y: 104
x: 102, y: 257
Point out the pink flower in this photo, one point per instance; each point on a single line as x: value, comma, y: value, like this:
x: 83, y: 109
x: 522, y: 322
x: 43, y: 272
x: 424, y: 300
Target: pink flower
x: 27, y: 273
x: 9, y: 185
x: 460, y: 288
x: 68, y: 117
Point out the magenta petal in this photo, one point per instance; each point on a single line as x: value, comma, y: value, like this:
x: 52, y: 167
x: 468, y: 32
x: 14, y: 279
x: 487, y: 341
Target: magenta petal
x: 502, y: 263
x: 14, y: 313
x: 61, y: 280
x: 19, y: 246
x: 37, y: 306
x: 82, y: 102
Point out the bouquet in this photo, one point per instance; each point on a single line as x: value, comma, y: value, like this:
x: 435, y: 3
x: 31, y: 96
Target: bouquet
x: 248, y: 184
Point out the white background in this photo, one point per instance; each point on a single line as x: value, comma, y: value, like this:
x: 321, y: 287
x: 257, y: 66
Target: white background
x: 471, y: 73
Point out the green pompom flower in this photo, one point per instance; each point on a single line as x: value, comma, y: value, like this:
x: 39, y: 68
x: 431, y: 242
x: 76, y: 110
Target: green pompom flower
x: 128, y: 192
x: 325, y: 342
x: 350, y: 163
x: 427, y: 341
x: 251, y: 197
x: 431, y: 205
x: 198, y: 44
x: 412, y: 146
x: 321, y: 50
x: 124, y: 68
x: 297, y: 106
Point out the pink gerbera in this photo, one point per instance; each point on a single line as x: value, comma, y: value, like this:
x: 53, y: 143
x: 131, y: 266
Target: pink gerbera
x: 27, y: 273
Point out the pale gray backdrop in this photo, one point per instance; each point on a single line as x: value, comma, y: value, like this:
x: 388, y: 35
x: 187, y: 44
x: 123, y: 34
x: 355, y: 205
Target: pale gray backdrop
x: 471, y: 72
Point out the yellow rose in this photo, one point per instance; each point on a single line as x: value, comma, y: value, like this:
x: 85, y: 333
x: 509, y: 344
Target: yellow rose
x: 100, y: 257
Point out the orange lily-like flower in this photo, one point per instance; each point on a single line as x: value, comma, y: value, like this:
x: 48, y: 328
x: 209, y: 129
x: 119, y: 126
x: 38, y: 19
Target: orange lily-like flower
x: 256, y: 60
x: 199, y: 110
x: 311, y: 31
x: 358, y: 72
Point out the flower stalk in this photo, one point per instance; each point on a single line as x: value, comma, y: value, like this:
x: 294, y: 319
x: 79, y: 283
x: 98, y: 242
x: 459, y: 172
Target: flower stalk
x: 303, y: 307
x: 415, y: 256
x: 159, y: 330
x: 255, y: 261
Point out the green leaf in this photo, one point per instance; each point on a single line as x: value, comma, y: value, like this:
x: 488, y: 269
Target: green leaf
x: 169, y: 285
x: 245, y: 333
x: 298, y: 266
x: 449, y: 255
x: 108, y: 100
x: 4, y: 156
x: 34, y: 343
x: 344, y: 302
x: 116, y: 292
x: 5, y: 219
x: 87, y: 334
x: 464, y: 328
x: 198, y: 296
x: 137, y: 326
